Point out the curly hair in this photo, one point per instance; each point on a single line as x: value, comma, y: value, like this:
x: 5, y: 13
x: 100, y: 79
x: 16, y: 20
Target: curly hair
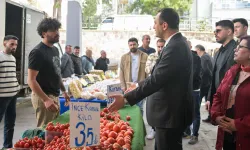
x: 48, y: 24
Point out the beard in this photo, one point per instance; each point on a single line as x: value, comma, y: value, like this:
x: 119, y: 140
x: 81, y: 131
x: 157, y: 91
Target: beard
x: 10, y: 50
x: 133, y: 50
x: 53, y: 40
x: 221, y: 41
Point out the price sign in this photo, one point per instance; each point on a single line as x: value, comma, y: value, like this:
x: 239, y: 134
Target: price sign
x: 84, y: 124
x: 111, y: 90
x: 84, y: 82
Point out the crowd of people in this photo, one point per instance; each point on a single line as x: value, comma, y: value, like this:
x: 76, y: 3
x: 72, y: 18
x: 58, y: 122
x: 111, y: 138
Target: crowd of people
x: 173, y: 80
x: 178, y: 78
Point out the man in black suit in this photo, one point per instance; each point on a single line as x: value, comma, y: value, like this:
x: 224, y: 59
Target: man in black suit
x: 223, y: 59
x: 170, y: 105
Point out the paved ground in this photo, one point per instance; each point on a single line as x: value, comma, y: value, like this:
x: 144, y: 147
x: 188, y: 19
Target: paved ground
x: 26, y: 120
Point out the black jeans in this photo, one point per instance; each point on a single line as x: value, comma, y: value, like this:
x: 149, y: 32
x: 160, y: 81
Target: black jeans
x: 8, y: 110
x: 168, y: 139
x: 229, y: 146
x: 204, y: 93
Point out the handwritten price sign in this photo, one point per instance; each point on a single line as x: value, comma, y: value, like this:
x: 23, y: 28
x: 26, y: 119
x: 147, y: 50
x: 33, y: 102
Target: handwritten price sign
x: 84, y: 124
x: 111, y: 90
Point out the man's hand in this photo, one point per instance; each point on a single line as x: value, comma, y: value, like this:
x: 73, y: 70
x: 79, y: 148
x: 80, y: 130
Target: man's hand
x: 50, y: 105
x: 131, y: 86
x: 117, y: 104
x: 207, y: 105
x: 67, y: 98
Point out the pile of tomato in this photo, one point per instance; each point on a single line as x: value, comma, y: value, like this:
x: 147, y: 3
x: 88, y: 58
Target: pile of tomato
x: 115, y: 134
x: 34, y: 143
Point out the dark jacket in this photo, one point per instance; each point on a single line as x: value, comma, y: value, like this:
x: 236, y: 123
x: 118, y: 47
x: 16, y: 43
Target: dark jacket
x: 196, y: 71
x: 206, y: 71
x: 148, y: 51
x: 223, y: 68
x: 77, y: 64
x: 169, y: 88
x: 241, y: 109
x: 102, y: 64
x: 67, y: 66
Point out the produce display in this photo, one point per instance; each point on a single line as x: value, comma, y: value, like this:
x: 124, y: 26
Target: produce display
x: 27, y: 144
x: 115, y: 134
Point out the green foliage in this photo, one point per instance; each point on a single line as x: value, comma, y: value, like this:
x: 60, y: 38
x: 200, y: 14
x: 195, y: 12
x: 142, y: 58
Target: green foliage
x: 89, y: 8
x: 153, y: 6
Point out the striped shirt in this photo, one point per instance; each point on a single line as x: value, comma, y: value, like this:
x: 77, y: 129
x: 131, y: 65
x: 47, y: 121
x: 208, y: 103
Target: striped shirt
x: 8, y: 81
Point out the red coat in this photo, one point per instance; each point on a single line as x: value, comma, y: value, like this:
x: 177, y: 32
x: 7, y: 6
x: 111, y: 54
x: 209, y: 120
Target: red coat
x: 241, y: 112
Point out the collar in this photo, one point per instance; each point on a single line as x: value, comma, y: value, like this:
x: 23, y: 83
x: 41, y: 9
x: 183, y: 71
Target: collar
x: 169, y: 38
x: 223, y: 48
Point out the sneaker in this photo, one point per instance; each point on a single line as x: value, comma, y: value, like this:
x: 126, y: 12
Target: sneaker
x: 186, y: 136
x: 207, y: 120
x: 193, y: 140
x: 151, y: 134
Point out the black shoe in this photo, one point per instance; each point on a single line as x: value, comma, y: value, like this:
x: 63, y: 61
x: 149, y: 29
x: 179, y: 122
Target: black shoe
x: 208, y: 120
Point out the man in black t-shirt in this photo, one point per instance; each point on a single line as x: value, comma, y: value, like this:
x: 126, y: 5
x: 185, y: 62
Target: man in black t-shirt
x: 44, y: 73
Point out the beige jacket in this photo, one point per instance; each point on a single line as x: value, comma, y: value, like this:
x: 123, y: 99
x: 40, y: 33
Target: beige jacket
x: 125, y: 68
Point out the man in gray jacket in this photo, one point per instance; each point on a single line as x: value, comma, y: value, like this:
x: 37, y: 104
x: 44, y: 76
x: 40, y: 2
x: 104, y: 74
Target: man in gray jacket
x: 67, y: 66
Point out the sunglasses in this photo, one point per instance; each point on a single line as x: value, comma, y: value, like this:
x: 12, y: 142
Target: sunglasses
x: 160, y: 46
x: 217, y: 31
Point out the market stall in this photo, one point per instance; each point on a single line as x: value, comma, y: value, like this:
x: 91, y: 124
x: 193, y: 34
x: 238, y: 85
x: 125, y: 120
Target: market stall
x: 126, y: 125
x: 136, y: 123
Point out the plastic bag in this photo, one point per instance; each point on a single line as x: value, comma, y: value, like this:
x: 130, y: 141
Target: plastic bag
x: 74, y: 89
x: 87, y: 96
x: 100, y: 95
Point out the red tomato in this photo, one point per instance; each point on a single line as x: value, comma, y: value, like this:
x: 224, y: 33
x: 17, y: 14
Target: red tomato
x: 16, y: 145
x: 112, y: 134
x: 111, y: 140
x: 121, y: 141
x: 116, y: 128
x: 26, y: 145
x: 40, y: 141
x: 22, y: 144
x: 105, y: 110
x: 123, y: 127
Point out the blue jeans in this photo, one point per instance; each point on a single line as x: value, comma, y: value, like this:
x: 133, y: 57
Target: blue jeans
x: 8, y: 110
x: 140, y: 105
x: 197, y: 118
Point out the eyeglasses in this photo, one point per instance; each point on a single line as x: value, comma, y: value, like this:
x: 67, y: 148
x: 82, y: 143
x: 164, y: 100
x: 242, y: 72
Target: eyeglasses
x: 240, y: 46
x: 217, y: 31
x: 160, y: 46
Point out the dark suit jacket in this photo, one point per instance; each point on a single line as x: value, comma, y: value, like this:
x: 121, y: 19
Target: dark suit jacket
x: 67, y: 66
x: 169, y: 88
x: 226, y: 65
x: 206, y: 71
x: 196, y: 71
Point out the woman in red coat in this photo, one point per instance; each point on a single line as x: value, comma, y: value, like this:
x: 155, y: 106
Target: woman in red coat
x: 231, y: 103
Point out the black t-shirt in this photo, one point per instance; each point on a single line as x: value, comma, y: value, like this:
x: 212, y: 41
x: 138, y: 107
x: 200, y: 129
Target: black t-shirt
x: 46, y: 60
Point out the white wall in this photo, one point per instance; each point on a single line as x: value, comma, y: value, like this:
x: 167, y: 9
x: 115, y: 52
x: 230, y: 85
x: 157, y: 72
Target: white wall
x: 201, y: 9
x: 2, y: 22
x: 231, y: 13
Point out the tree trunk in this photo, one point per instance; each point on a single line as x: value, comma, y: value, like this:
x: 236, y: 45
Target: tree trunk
x: 55, y: 9
x: 59, y: 10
